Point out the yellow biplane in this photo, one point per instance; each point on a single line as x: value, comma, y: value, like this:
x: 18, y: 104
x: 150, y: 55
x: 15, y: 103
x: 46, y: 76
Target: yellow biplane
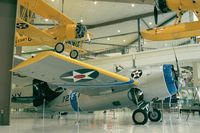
x: 176, y: 31
x: 66, y: 35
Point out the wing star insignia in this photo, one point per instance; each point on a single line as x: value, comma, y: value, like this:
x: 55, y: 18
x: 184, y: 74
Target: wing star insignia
x: 81, y: 75
x: 136, y: 74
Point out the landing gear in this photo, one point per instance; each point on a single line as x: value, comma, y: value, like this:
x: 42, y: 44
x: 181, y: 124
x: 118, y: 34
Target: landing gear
x: 73, y: 54
x: 59, y: 47
x: 145, y: 109
x: 154, y: 115
x: 140, y: 117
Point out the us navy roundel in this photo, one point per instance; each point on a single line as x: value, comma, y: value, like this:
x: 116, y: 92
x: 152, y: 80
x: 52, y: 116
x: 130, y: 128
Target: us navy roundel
x: 80, y: 75
x: 136, y: 74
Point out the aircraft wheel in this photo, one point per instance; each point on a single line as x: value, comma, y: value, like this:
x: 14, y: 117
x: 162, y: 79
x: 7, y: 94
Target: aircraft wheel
x: 73, y: 54
x: 154, y: 115
x: 140, y: 117
x: 59, y: 48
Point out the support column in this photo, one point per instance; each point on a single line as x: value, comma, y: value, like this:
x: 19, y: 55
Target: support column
x: 7, y: 35
x: 196, y: 74
x: 140, y: 45
x: 19, y: 50
x: 193, y: 40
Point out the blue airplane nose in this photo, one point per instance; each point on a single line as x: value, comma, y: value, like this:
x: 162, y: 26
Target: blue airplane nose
x: 171, y: 78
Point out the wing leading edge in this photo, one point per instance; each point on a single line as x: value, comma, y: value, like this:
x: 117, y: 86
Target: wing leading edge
x: 63, y: 71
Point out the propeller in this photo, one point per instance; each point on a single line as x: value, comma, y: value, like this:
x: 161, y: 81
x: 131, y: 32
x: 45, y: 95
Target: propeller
x: 156, y: 14
x: 177, y: 64
x: 179, y: 79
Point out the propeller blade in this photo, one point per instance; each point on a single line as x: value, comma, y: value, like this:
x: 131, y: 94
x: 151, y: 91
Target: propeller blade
x: 156, y: 14
x: 177, y: 66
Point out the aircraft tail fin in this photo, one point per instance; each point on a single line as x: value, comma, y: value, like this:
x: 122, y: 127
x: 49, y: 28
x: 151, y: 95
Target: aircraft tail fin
x: 41, y: 91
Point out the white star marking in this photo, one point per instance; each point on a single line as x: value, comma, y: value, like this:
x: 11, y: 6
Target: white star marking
x: 86, y: 76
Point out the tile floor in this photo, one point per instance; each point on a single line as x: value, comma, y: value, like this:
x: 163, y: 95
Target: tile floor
x: 100, y: 123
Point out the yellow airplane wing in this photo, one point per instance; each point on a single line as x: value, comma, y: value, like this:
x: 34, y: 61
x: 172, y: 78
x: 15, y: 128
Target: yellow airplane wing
x: 63, y: 71
x: 25, y: 41
x: 43, y: 9
x: 182, y: 30
x: 33, y: 32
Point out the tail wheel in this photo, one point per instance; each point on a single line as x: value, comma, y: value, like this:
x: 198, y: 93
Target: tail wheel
x: 140, y: 117
x: 73, y: 54
x: 154, y: 115
x: 59, y: 48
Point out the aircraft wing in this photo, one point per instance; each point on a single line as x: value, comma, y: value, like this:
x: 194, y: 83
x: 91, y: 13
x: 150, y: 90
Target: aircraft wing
x: 33, y: 32
x: 43, y: 9
x: 18, y: 79
x: 65, y: 72
x: 131, y: 1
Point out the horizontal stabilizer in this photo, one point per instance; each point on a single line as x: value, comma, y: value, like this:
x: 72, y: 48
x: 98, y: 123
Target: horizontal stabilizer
x: 28, y: 99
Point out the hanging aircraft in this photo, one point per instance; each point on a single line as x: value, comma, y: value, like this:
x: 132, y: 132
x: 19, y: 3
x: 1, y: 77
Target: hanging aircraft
x: 65, y: 84
x: 66, y: 35
x: 176, y: 31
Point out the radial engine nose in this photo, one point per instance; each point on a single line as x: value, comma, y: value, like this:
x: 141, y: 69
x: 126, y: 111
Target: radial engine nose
x: 80, y: 30
x: 171, y: 79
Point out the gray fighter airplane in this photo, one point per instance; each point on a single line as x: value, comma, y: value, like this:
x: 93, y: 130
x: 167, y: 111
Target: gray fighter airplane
x: 68, y: 85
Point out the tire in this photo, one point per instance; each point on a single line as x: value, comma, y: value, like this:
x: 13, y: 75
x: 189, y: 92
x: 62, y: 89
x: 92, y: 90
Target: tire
x: 59, y: 47
x: 73, y: 54
x: 140, y: 117
x: 154, y: 115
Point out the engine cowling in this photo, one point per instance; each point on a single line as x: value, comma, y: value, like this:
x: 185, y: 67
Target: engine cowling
x: 75, y: 31
x: 156, y: 82
x: 80, y: 30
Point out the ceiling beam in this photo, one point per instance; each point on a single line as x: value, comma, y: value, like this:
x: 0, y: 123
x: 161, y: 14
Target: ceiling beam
x: 106, y: 44
x: 145, y: 23
x: 184, y: 43
x: 130, y: 1
x: 109, y: 36
x: 149, y: 14
x: 118, y: 49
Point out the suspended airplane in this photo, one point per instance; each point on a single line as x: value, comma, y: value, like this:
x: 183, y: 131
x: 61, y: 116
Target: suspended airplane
x: 67, y: 85
x: 176, y: 31
x: 66, y: 35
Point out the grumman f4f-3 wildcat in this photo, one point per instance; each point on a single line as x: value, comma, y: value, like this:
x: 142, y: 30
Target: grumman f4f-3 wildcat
x: 70, y: 85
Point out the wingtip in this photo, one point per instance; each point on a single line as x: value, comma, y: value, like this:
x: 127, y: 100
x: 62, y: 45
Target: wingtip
x: 32, y: 60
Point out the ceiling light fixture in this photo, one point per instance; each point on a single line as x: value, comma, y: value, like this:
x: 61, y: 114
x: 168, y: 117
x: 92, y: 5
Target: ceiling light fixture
x: 133, y: 5
x: 95, y: 2
x: 118, y: 31
x: 124, y: 40
x: 39, y: 48
x: 150, y: 23
x: 52, y: 0
x: 108, y: 39
x: 46, y: 19
x: 81, y: 20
